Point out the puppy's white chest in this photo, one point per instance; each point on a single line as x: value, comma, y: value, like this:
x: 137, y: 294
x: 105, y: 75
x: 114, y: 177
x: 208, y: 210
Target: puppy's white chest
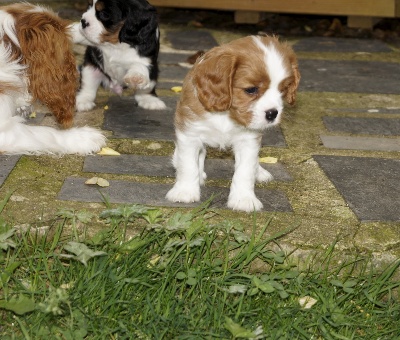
x: 218, y: 130
x: 119, y: 59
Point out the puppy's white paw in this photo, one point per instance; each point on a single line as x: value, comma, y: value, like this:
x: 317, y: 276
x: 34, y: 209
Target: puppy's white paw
x: 150, y: 102
x: 263, y: 175
x: 184, y: 194
x: 137, y: 81
x: 84, y: 104
x: 245, y: 202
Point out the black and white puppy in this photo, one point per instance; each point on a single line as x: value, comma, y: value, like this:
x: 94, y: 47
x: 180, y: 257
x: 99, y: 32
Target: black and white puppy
x: 123, y: 44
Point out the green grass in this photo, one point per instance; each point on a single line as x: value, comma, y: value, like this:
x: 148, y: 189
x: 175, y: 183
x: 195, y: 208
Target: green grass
x: 184, y: 277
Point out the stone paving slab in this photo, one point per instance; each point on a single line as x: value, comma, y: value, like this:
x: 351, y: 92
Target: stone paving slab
x: 349, y: 76
x: 172, y: 73
x: 7, y: 163
x: 162, y: 166
x: 385, y: 110
x: 75, y: 189
x: 173, y: 58
x: 361, y: 143
x: 369, y: 126
x: 370, y: 186
x: 325, y: 44
x: 193, y: 40
x: 127, y: 120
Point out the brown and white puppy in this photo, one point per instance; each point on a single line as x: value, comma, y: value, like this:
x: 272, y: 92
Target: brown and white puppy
x: 229, y: 98
x: 37, y: 63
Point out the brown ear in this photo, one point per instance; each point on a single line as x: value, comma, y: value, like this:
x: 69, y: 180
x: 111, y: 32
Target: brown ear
x: 213, y: 77
x: 294, y: 83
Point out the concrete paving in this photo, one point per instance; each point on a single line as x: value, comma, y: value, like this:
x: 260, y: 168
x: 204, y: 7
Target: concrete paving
x: 338, y: 149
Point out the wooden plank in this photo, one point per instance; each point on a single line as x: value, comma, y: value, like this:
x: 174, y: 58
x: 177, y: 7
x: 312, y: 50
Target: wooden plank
x: 361, y: 22
x: 248, y: 17
x: 381, y: 8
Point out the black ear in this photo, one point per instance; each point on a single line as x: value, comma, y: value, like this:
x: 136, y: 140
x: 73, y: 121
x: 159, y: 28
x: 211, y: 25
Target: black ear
x: 140, y: 29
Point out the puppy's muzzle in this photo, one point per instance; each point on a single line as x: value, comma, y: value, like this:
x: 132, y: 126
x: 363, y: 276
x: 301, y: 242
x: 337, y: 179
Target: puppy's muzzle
x: 271, y: 114
x: 84, y: 23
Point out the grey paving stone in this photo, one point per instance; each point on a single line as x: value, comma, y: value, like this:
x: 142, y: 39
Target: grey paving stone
x: 394, y: 110
x: 173, y: 58
x: 7, y: 163
x: 127, y: 120
x: 75, y: 189
x: 172, y: 73
x: 361, y: 143
x: 370, y: 186
x: 193, y: 40
x: 349, y: 76
x: 321, y: 44
x: 369, y: 126
x: 162, y: 166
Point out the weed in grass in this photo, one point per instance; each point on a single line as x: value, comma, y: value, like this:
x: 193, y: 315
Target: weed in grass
x: 185, y: 277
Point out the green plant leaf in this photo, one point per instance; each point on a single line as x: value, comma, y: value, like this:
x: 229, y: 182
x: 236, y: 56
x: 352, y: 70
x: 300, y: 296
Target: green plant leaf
x: 82, y: 252
x: 20, y: 305
x: 191, y: 281
x: 5, y: 242
x: 180, y: 276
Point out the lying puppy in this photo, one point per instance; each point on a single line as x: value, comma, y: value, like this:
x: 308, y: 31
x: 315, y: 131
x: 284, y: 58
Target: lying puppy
x: 37, y: 63
x: 123, y: 45
x: 232, y: 94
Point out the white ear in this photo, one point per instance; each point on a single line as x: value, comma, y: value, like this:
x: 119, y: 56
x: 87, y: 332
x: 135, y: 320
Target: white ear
x: 77, y: 36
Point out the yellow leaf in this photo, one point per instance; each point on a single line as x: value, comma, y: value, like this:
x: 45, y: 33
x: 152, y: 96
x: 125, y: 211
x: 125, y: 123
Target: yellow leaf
x: 176, y: 89
x: 106, y: 107
x: 108, y: 152
x: 101, y: 182
x: 270, y: 160
x: 32, y: 115
x: 92, y: 181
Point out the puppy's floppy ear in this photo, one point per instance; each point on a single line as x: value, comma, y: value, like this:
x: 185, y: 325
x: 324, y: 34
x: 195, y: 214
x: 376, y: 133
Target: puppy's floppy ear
x: 292, y: 86
x: 213, y: 77
x: 140, y: 29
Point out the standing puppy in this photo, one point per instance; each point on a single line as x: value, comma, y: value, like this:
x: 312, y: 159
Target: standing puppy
x: 123, y: 45
x: 232, y: 94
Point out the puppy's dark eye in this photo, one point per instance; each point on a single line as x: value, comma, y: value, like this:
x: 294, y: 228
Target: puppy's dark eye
x: 251, y: 90
x: 103, y: 16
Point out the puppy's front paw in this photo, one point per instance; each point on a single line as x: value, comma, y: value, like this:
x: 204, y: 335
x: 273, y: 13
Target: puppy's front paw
x: 263, y: 175
x: 245, y: 202
x: 84, y: 104
x: 137, y: 81
x: 184, y: 194
x: 150, y: 102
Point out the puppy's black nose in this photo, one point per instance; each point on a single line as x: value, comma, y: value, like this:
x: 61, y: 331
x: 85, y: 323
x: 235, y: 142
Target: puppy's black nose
x: 84, y: 23
x: 271, y: 114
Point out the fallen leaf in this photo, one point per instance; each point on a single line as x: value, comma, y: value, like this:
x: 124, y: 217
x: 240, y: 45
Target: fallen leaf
x: 101, y: 182
x: 177, y: 89
x: 307, y: 302
x: 270, y: 160
x: 108, y: 152
x: 32, y: 115
x: 106, y: 107
x: 92, y: 181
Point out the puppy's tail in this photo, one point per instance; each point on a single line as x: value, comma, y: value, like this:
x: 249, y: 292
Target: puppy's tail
x: 18, y: 138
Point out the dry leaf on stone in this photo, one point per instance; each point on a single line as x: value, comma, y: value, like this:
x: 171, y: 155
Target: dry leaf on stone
x: 101, y: 182
x: 108, y: 152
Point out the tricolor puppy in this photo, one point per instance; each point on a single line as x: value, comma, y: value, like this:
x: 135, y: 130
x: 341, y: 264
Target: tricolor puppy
x: 37, y: 63
x: 123, y: 45
x: 230, y: 97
